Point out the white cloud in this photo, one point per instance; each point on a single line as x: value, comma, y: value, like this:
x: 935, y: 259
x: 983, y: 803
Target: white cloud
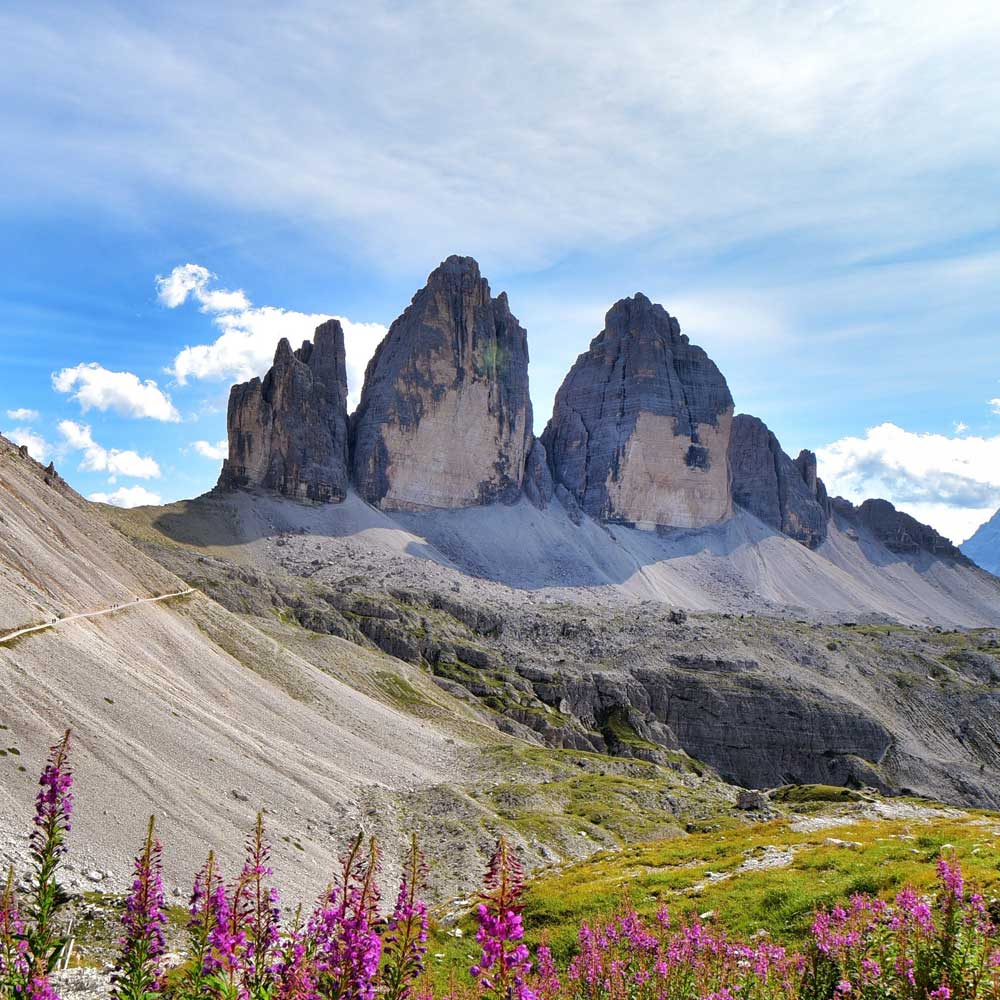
x: 249, y: 334
x: 37, y: 446
x: 128, y: 496
x: 217, y: 451
x: 950, y: 482
x: 191, y: 280
x: 961, y: 427
x: 100, y: 389
x: 995, y: 405
x: 23, y: 414
x: 78, y: 437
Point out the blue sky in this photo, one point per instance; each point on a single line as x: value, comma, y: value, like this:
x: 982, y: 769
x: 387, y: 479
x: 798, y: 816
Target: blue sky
x: 810, y: 187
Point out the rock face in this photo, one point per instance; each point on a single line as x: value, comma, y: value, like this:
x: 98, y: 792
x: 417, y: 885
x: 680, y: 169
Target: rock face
x: 786, y: 494
x: 640, y: 429
x: 288, y: 432
x: 897, y: 531
x: 538, y: 486
x: 445, y: 418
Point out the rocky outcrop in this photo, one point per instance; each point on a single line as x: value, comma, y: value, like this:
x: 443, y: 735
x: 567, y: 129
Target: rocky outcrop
x: 640, y: 429
x: 288, y: 431
x: 445, y: 418
x: 897, y: 531
x: 538, y: 486
x: 786, y: 494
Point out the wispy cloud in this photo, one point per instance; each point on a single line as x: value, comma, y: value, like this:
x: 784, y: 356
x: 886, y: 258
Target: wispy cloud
x: 249, y: 334
x: 94, y: 387
x: 23, y: 414
x: 532, y: 129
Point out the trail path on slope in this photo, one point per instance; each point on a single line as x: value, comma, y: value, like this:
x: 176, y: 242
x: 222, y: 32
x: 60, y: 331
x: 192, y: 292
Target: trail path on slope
x: 93, y: 614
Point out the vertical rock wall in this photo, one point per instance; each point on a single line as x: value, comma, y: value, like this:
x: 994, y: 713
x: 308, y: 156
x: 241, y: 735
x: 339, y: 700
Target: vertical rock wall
x: 445, y: 417
x: 640, y: 429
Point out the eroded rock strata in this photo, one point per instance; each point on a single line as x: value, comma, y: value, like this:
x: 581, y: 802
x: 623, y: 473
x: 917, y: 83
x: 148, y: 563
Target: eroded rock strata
x: 445, y: 417
x: 641, y: 424
x: 288, y: 431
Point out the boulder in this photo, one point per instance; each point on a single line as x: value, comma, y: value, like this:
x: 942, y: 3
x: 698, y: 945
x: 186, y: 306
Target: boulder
x: 445, y: 418
x: 288, y: 431
x: 788, y: 495
x: 640, y: 429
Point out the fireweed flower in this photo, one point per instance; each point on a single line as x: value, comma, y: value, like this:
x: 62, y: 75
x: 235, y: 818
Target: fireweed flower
x: 405, y: 941
x: 294, y: 974
x: 259, y: 913
x: 15, y: 968
x: 202, y: 918
x: 139, y: 975
x: 504, y: 963
x: 546, y: 982
x: 53, y: 811
x: 343, y: 928
x: 951, y: 878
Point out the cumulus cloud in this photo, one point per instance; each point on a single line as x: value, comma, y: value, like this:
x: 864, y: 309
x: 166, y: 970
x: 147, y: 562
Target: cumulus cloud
x: 128, y: 496
x: 38, y: 447
x: 100, y: 389
x: 191, y: 280
x: 217, y: 451
x: 23, y: 414
x: 951, y: 482
x: 995, y: 405
x: 115, y: 462
x: 248, y: 334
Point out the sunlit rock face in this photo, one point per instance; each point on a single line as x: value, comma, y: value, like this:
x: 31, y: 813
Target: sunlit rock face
x: 445, y: 418
x: 784, y: 493
x: 640, y: 429
x: 288, y: 431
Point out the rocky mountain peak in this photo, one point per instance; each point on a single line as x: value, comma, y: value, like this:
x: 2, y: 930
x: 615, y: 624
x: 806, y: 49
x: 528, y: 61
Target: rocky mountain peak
x: 288, y: 431
x: 640, y: 429
x: 445, y: 417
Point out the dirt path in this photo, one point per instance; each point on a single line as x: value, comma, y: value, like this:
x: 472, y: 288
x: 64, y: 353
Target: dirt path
x: 92, y: 614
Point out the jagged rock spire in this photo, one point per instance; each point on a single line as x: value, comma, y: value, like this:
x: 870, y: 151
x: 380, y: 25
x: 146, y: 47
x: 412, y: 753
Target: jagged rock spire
x: 640, y: 428
x: 445, y: 417
x: 288, y: 432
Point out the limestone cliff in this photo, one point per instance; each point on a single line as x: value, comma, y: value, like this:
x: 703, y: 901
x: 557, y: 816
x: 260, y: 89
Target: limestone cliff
x: 288, y: 431
x: 786, y: 494
x: 641, y: 424
x: 445, y: 418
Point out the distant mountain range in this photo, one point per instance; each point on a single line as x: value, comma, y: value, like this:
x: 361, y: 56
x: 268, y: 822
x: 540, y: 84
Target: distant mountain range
x: 983, y: 548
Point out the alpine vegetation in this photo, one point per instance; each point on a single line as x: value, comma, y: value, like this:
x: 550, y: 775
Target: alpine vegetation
x: 944, y: 946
